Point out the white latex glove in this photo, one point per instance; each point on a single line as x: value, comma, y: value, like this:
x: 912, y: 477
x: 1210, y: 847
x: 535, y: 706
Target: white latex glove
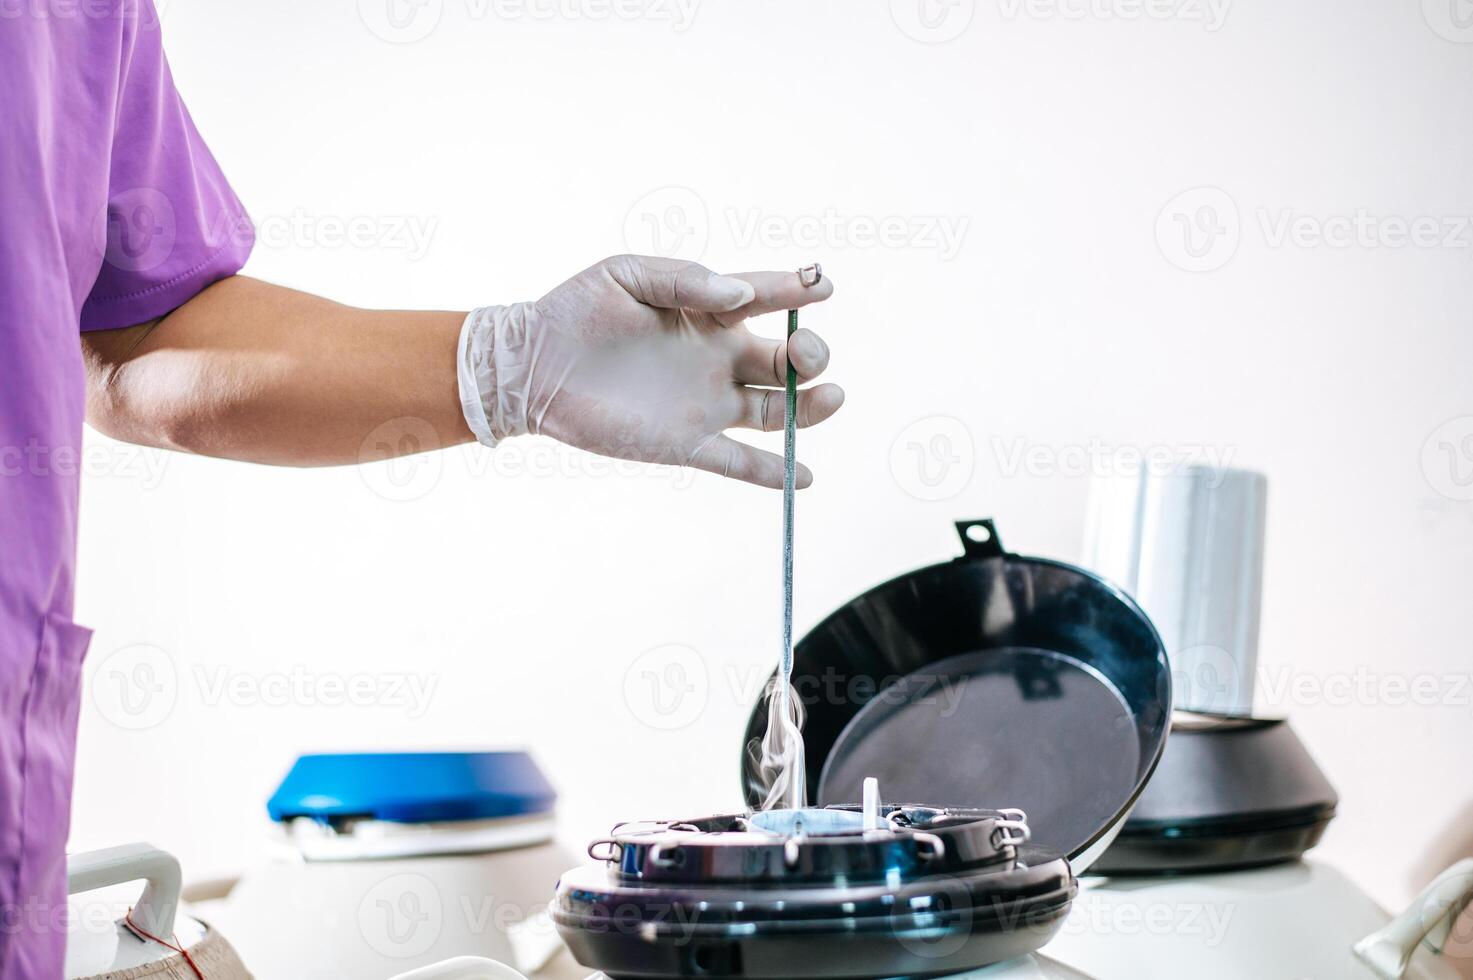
x: 647, y: 359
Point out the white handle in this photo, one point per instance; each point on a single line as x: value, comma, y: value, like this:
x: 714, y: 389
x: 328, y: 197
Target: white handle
x: 463, y: 968
x: 1429, y: 919
x: 154, y: 911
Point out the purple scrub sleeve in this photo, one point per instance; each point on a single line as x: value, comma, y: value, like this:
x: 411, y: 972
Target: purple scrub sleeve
x: 173, y: 224
x: 113, y: 212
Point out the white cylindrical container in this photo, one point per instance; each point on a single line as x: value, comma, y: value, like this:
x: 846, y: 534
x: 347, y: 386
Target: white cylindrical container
x: 1188, y: 546
x: 388, y: 862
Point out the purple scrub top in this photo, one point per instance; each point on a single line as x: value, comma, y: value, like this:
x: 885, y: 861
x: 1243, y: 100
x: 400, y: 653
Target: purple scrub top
x: 112, y: 212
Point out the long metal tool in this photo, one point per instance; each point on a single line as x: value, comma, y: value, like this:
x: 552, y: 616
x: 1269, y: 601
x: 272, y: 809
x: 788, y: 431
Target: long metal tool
x: 809, y: 275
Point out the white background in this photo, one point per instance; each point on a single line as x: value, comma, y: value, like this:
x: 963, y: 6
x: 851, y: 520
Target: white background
x: 1059, y: 138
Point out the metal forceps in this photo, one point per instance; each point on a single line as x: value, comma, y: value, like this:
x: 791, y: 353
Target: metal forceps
x: 809, y: 276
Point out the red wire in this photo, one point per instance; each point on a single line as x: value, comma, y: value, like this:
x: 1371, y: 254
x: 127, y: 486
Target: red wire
x: 178, y: 949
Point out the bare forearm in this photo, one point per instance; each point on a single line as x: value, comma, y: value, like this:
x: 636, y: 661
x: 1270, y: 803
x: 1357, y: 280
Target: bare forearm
x: 248, y: 370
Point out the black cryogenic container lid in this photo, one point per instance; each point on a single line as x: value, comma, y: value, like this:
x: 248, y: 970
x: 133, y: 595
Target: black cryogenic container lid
x: 991, y: 680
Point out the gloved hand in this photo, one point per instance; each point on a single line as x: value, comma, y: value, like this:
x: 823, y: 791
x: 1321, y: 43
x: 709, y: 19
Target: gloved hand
x: 646, y: 359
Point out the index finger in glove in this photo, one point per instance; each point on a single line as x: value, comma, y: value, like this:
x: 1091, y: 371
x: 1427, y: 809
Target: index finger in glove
x: 776, y: 291
x: 674, y: 283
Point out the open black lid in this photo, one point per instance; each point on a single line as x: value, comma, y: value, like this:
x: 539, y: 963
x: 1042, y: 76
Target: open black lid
x: 992, y: 680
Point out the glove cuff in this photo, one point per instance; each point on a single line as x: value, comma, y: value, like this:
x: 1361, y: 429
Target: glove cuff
x: 490, y: 372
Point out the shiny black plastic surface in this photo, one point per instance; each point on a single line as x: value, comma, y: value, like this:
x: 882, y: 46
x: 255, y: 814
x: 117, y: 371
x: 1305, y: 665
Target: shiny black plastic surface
x: 938, y: 925
x: 1101, y: 650
x: 1231, y: 793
